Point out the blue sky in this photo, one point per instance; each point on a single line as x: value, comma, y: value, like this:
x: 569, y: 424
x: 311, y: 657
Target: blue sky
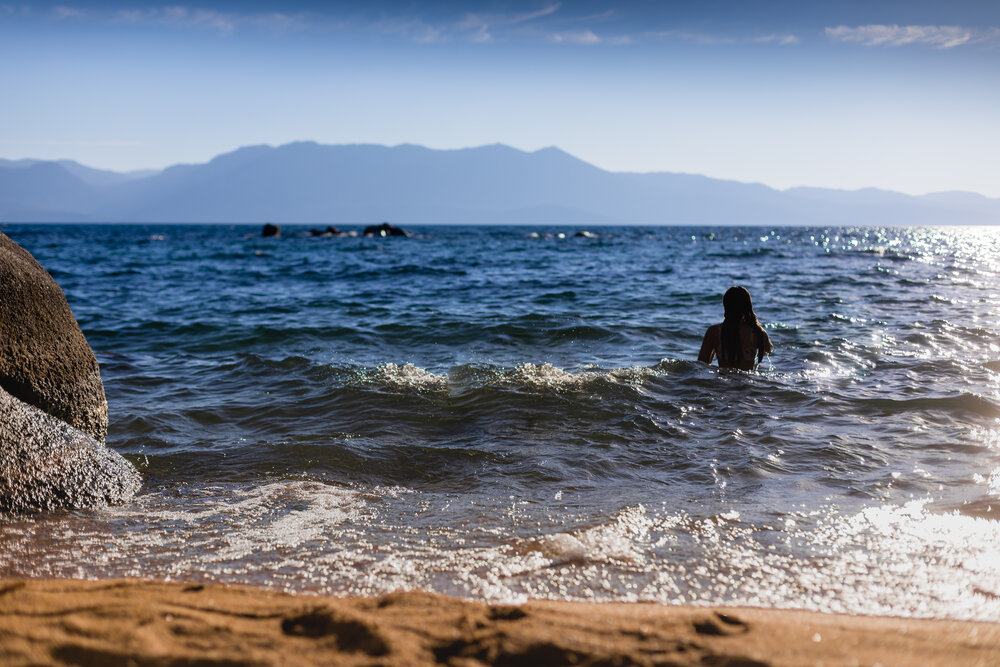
x: 898, y: 95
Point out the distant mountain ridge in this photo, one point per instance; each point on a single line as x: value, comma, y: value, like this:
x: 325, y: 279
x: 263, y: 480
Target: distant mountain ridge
x: 88, y: 175
x: 360, y: 183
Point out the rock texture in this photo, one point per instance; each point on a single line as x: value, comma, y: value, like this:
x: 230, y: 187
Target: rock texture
x: 53, y: 414
x: 159, y: 624
x: 46, y: 464
x: 45, y: 360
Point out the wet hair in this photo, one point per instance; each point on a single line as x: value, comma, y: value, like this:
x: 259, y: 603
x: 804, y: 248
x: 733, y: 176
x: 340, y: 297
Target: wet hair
x: 739, y: 309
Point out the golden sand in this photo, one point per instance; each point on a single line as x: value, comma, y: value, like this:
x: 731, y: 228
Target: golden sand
x: 129, y: 622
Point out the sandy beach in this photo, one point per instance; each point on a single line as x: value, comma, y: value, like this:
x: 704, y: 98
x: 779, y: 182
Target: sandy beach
x: 131, y: 622
x: 524, y: 333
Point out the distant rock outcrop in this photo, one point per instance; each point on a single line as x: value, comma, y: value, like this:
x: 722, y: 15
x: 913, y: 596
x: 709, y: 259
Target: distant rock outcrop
x: 329, y: 231
x: 270, y: 231
x: 385, y: 229
x: 53, y: 413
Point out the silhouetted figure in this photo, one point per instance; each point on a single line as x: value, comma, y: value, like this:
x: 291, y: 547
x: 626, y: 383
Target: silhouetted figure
x: 740, y: 341
x: 270, y: 230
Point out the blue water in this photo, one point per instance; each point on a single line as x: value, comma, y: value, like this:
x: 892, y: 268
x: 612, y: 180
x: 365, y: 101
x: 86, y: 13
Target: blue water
x: 491, y: 414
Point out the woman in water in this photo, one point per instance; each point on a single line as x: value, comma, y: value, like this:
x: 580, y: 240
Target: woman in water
x: 740, y: 341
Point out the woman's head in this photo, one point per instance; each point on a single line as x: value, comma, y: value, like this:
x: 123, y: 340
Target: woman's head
x: 737, y: 302
x: 739, y: 311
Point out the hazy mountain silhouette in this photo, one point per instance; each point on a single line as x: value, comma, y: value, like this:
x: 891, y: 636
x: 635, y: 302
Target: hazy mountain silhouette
x: 313, y: 183
x: 88, y: 175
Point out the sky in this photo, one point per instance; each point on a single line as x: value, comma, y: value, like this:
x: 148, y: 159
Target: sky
x: 897, y: 95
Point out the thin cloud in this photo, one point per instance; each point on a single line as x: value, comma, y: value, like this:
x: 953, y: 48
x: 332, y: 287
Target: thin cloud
x: 61, y: 12
x: 585, y: 37
x: 478, y: 26
x: 591, y: 17
x: 470, y: 27
x: 936, y: 36
x: 783, y: 40
x: 708, y: 39
x: 11, y: 10
x: 530, y: 16
x: 548, y: 23
x: 179, y: 16
x: 411, y: 28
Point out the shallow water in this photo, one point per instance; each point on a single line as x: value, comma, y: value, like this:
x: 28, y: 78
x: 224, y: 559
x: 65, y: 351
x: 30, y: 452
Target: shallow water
x: 486, y: 414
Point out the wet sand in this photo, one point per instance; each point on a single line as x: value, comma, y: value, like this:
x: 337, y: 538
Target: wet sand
x: 129, y: 622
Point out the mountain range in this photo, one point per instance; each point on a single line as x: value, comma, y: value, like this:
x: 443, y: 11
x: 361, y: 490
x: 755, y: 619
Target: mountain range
x: 313, y: 183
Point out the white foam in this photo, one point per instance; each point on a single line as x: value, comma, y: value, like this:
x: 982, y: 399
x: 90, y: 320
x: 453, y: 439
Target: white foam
x: 528, y: 376
x: 235, y: 523
x: 289, y: 515
x: 903, y: 560
x: 408, y: 376
x: 547, y: 376
x: 620, y: 541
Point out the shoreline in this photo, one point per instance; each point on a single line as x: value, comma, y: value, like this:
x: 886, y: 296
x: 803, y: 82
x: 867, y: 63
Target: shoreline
x: 139, y: 622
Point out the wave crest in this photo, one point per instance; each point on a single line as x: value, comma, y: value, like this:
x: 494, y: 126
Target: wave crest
x: 528, y: 376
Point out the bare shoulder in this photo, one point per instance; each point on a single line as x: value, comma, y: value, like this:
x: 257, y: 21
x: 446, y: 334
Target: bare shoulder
x: 709, y: 343
x: 764, y: 342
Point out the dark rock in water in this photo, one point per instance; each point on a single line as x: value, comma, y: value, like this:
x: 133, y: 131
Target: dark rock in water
x: 385, y: 229
x: 329, y: 231
x: 53, y: 414
x: 46, y: 464
x: 44, y: 359
x: 270, y: 230
x: 585, y: 235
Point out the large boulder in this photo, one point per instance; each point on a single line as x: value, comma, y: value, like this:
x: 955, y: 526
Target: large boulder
x: 46, y: 464
x: 45, y: 360
x: 53, y: 414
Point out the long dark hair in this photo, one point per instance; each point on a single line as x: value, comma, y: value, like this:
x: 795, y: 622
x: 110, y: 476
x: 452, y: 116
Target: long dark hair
x: 739, y: 309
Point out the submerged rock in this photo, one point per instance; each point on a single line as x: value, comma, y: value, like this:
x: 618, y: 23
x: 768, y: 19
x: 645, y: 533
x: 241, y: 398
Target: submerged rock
x: 45, y: 360
x: 270, y: 230
x: 46, y: 464
x: 329, y: 231
x: 385, y: 229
